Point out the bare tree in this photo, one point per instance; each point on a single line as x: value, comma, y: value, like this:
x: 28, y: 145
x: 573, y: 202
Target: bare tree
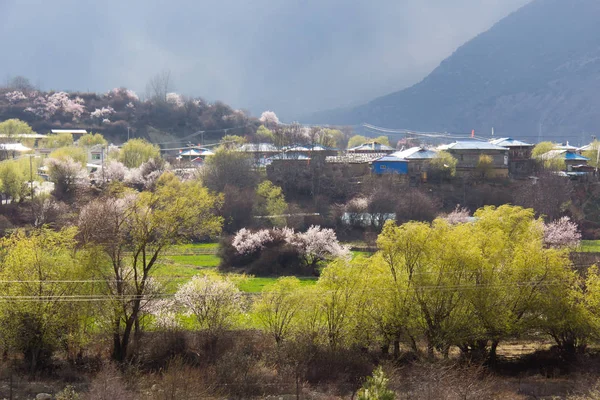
x: 158, y: 86
x: 20, y: 83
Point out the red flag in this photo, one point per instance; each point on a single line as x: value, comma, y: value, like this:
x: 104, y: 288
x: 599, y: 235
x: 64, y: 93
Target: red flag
x: 473, y: 133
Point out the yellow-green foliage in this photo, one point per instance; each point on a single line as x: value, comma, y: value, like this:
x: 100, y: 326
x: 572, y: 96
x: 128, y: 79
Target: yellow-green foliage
x: 542, y: 148
x: 15, y: 176
x: 264, y: 134
x: 357, y: 140
x: 41, y: 266
x: 76, y: 153
x: 137, y: 151
x: 57, y: 141
x: 592, y: 153
x: 14, y: 127
x: 270, y: 201
x: 444, y: 163
x: 91, y: 139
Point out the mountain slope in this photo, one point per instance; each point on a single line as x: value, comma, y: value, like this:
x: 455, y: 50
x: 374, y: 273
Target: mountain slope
x: 538, y: 66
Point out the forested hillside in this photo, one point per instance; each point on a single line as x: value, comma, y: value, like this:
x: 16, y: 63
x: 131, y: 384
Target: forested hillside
x: 160, y: 118
x: 536, y: 70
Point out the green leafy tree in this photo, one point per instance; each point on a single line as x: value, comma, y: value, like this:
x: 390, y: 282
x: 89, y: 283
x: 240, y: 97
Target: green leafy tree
x: 383, y: 140
x: 133, y: 232
x: 264, y: 134
x: 331, y: 138
x: 232, y: 141
x: 485, y: 165
x: 443, y: 165
x: 542, y: 148
x: 43, y: 266
x: 592, y: 153
x: 14, y: 127
x: 229, y: 168
x: 135, y: 152
x: 92, y: 139
x: 75, y: 153
x: 375, y: 387
x: 278, y: 307
x: 57, y: 141
x: 270, y: 202
x: 14, y: 178
x: 357, y: 140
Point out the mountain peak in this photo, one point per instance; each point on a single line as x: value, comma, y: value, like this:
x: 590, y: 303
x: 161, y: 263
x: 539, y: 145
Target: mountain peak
x: 539, y: 66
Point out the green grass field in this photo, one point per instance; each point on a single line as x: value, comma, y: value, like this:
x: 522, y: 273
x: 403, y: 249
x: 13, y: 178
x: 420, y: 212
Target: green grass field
x: 182, y: 262
x: 589, y: 246
x: 200, y: 260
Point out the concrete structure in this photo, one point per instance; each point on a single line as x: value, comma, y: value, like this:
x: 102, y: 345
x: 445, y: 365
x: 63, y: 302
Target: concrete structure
x: 468, y: 153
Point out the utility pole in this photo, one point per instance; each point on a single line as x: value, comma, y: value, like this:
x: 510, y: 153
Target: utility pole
x: 31, y: 174
x: 127, y: 133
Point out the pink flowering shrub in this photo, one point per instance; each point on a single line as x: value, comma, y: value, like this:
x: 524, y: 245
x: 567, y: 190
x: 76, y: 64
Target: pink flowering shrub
x: 562, y: 233
x: 46, y: 106
x: 282, y: 249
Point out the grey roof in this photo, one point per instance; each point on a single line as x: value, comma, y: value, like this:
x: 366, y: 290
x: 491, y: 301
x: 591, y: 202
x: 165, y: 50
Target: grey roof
x: 471, y: 145
x: 258, y: 148
x: 77, y: 131
x: 510, y: 142
x: 415, y: 153
x: 371, y: 146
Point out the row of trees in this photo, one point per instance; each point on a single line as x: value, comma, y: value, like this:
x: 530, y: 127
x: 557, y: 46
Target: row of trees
x: 60, y: 287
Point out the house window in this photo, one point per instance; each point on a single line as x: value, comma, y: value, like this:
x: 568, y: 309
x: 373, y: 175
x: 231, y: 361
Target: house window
x: 383, y: 167
x: 96, y: 156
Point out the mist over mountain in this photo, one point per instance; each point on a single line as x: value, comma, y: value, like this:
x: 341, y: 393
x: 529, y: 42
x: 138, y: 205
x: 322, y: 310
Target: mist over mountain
x: 537, y: 70
x: 292, y: 56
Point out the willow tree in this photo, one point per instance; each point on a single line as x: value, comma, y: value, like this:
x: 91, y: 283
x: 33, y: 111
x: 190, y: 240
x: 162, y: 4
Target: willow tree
x: 133, y: 231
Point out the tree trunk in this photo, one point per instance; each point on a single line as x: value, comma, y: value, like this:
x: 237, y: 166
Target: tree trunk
x: 492, y: 357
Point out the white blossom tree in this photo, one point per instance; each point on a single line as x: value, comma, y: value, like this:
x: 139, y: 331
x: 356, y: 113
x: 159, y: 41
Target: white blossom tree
x: 562, y: 233
x: 269, y: 118
x: 213, y: 301
x: 460, y: 215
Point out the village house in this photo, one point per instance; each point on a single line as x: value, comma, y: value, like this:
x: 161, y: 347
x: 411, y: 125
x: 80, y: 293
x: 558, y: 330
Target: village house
x: 520, y: 163
x: 468, y: 154
x: 575, y: 164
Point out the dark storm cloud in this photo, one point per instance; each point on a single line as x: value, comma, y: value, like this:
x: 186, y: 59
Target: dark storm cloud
x: 292, y: 56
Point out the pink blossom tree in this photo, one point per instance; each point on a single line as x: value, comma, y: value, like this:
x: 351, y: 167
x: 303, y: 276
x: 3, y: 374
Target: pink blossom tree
x: 562, y: 233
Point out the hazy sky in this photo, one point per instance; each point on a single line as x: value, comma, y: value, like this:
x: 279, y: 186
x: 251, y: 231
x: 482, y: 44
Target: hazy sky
x: 290, y: 56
